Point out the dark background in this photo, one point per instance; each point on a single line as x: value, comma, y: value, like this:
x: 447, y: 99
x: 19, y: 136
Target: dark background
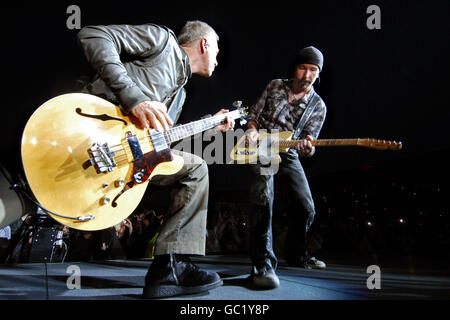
x: 390, y: 84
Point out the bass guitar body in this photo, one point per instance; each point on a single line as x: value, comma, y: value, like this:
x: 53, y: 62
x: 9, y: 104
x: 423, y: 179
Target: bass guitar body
x: 88, y: 164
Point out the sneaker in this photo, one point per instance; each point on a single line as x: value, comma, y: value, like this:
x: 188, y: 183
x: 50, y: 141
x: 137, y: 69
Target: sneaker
x: 265, y: 277
x: 307, y: 263
x: 173, y: 275
x: 313, y: 263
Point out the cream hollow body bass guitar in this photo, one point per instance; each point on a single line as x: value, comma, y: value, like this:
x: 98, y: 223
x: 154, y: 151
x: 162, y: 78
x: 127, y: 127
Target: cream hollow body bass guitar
x: 89, y: 166
x: 268, y: 146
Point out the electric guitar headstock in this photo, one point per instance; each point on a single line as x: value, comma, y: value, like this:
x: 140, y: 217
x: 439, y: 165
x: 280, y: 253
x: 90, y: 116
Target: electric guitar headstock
x: 380, y: 144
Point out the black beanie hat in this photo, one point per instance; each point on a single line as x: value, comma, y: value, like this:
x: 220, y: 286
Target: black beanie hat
x: 310, y: 55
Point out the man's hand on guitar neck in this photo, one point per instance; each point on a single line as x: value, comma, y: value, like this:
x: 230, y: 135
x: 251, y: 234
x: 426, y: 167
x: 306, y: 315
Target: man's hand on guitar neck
x: 252, y: 132
x: 226, y: 125
x: 305, y: 147
x: 152, y: 114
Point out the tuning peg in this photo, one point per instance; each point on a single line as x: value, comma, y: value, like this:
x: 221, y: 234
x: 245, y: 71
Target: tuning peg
x: 237, y: 104
x: 105, y: 200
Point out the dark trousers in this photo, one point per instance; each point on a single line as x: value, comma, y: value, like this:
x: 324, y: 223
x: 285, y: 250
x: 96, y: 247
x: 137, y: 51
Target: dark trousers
x: 301, y: 214
x: 184, y: 227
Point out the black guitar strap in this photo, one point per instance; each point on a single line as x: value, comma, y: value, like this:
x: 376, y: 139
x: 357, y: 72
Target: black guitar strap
x: 306, y: 115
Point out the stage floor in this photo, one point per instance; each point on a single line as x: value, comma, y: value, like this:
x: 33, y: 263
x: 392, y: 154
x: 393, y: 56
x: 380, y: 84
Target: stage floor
x: 123, y: 280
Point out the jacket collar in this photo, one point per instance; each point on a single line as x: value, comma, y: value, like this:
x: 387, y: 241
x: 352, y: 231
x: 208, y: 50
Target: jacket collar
x: 187, y: 65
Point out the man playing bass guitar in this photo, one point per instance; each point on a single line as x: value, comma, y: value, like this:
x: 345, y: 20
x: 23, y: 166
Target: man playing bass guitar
x: 142, y: 69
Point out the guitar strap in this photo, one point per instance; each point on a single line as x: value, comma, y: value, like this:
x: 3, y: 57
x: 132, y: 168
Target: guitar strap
x: 306, y: 115
x: 176, y: 105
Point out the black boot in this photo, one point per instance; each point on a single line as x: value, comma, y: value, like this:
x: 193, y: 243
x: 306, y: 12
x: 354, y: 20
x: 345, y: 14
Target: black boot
x: 173, y: 275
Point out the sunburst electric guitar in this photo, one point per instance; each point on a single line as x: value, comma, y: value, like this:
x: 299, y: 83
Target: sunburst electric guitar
x: 268, y: 146
x: 88, y: 165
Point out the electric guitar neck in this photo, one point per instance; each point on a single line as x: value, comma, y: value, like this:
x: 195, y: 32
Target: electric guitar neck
x: 365, y: 142
x: 268, y: 146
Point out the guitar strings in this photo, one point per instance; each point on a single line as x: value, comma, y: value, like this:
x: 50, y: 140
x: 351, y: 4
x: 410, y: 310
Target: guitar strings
x: 165, y: 137
x: 124, y: 151
x: 144, y: 141
x: 180, y: 131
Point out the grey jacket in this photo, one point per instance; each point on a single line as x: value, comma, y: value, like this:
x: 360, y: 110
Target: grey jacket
x: 136, y: 63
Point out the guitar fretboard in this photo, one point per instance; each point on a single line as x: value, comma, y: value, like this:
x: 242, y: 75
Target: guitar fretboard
x: 321, y: 142
x: 183, y: 131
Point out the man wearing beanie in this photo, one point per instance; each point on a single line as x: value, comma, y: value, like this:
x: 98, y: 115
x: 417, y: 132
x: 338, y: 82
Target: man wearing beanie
x: 285, y: 105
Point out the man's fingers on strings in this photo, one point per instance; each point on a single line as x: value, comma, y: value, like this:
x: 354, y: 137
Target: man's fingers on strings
x: 161, y: 118
x: 154, y: 123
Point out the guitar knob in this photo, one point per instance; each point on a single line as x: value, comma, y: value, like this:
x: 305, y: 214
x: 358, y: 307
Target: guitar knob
x: 119, y: 183
x: 105, y: 200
